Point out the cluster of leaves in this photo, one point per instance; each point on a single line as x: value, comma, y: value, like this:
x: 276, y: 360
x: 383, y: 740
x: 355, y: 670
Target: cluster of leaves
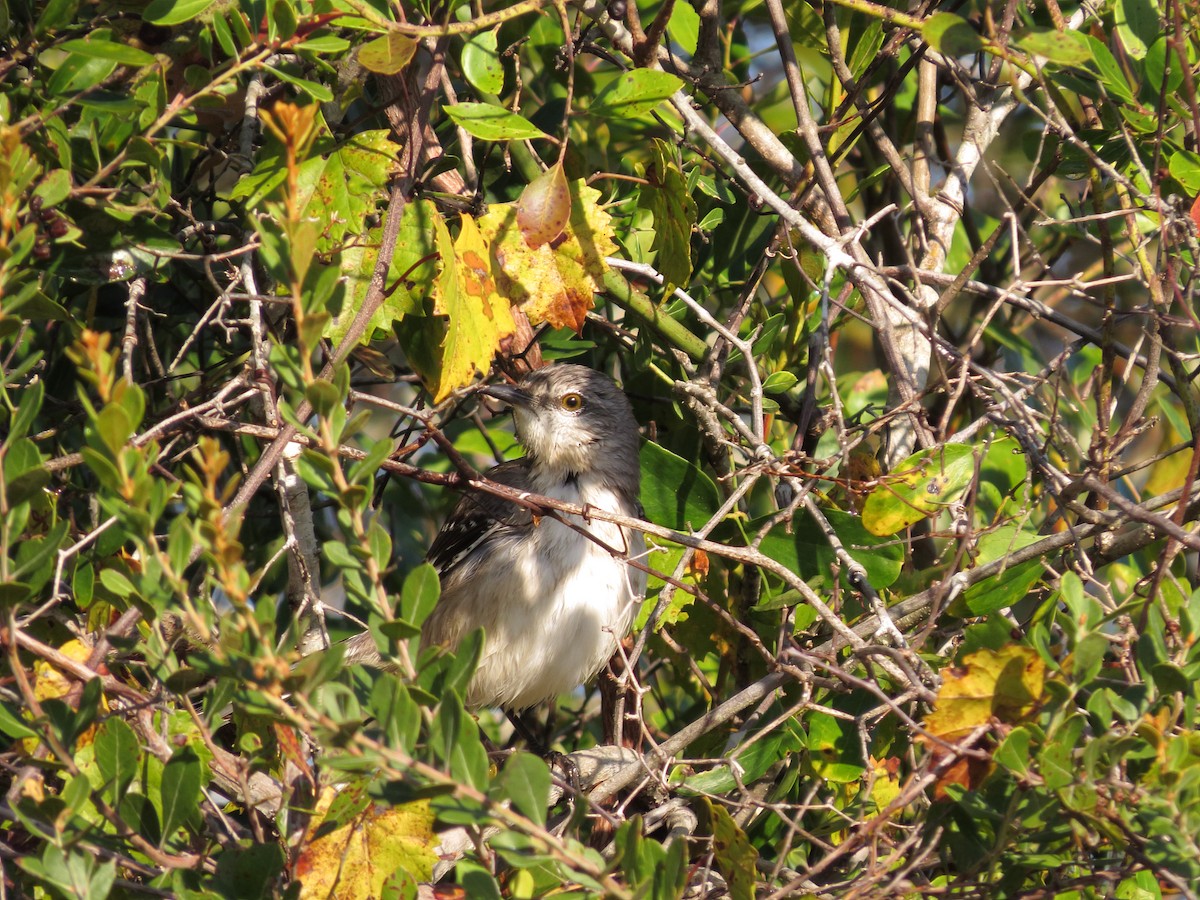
x: 914, y: 355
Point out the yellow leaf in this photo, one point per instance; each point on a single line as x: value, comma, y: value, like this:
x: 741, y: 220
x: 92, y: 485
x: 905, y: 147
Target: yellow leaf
x: 51, y: 684
x: 353, y: 851
x: 479, y: 318
x: 555, y: 282
x: 1001, y: 684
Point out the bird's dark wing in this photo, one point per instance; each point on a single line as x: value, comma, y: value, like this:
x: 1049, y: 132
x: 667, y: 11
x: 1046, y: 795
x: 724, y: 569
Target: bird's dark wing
x: 479, y: 518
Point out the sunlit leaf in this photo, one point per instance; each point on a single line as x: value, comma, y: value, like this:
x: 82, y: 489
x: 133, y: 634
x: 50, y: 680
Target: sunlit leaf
x: 544, y: 207
x: 481, y: 63
x: 552, y: 284
x: 492, y: 123
x: 479, y: 318
x: 922, y: 485
x: 635, y: 93
x: 351, y: 851
x: 950, y: 34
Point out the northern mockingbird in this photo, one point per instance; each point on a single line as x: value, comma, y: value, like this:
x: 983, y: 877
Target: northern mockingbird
x: 553, y: 602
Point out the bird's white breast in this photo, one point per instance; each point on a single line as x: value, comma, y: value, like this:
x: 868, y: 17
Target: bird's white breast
x: 555, y: 616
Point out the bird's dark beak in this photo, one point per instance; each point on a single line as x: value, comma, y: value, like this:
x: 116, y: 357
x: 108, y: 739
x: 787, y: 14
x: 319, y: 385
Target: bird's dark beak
x: 507, y: 393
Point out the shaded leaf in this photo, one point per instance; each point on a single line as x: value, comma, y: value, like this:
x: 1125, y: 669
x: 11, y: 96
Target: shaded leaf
x: 387, y: 55
x: 675, y: 492
x: 670, y: 202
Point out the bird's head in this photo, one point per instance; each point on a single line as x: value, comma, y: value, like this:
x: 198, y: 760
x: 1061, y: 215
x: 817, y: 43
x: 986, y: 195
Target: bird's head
x: 573, y: 420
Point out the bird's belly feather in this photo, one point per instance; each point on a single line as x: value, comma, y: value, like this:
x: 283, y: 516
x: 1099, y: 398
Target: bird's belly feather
x: 548, y: 628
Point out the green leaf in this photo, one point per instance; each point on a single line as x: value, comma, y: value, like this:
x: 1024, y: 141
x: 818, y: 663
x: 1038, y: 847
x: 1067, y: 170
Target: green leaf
x: 1161, y: 67
x: 324, y: 396
x: 733, y: 853
x: 13, y: 726
x: 675, y: 493
x: 635, y: 93
x: 1009, y: 586
x: 1138, y: 25
x: 455, y: 735
x: 180, y: 790
x: 525, y: 781
x: 481, y: 63
x: 31, y: 405
x: 466, y: 658
x: 670, y: 202
x: 114, y: 428
x: 95, y: 47
x: 55, y: 15
x: 1013, y: 753
x: 835, y: 748
x: 174, y: 12
x: 753, y: 762
x: 1063, y: 48
x: 921, y: 486
x: 116, y: 748
x: 420, y: 594
x: 779, y: 383
x: 317, y: 91
x: 1110, y: 72
x: 684, y: 27
x: 396, y: 713
x: 54, y: 189
x: 489, y: 122
x: 35, y: 558
x: 950, y: 34
x: 387, y: 55
x: 283, y: 18
x: 25, y: 474
x: 14, y: 593
x: 1185, y: 168
x: 805, y: 550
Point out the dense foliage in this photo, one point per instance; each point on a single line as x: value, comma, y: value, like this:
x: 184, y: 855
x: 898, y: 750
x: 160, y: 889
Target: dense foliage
x: 903, y: 297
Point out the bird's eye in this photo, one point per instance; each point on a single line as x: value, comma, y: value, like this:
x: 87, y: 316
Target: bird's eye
x: 571, y: 402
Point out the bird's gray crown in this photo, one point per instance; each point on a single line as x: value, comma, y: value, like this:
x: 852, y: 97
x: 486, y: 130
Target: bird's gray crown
x: 574, y: 421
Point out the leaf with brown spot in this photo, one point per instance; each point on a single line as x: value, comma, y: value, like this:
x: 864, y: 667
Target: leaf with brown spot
x: 1001, y: 684
x: 553, y: 283
x: 387, y: 55
x: 351, y: 852
x: 478, y: 318
x: 733, y: 853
